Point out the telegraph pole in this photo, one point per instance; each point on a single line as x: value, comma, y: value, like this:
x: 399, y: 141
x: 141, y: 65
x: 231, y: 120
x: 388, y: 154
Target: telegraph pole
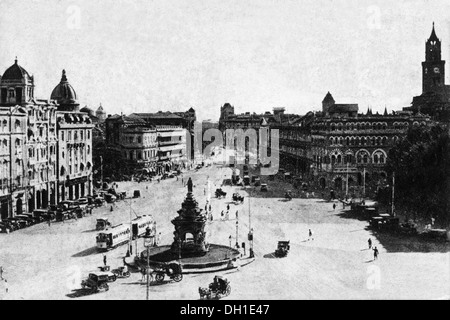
x: 393, y: 187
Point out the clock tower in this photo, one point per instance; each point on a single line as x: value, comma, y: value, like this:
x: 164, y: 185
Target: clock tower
x: 433, y: 68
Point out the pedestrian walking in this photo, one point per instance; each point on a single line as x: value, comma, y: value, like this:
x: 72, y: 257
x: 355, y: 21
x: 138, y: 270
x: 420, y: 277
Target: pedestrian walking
x: 6, y: 286
x: 204, y: 191
x: 104, y: 259
x: 206, y: 207
x: 1, y: 272
x: 221, y: 215
x: 227, y: 216
x: 210, y: 208
x: 228, y: 207
x: 310, y: 235
x: 237, y: 215
x: 334, y: 206
x: 370, y: 243
x: 375, y: 253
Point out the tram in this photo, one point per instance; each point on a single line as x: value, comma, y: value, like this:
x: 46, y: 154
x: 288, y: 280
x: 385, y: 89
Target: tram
x: 140, y: 224
x: 122, y: 233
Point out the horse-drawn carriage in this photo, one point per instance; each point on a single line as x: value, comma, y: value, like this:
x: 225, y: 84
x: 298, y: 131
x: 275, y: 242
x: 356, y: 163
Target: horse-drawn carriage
x: 220, y: 193
x: 237, y: 197
x: 220, y: 287
x: 173, y: 270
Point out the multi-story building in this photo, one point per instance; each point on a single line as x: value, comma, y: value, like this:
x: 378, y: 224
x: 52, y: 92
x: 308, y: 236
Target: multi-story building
x: 155, y: 142
x: 75, y: 144
x: 342, y: 149
x: 31, y: 143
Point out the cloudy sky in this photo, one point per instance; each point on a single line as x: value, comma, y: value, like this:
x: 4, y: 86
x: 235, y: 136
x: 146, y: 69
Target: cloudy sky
x: 147, y: 56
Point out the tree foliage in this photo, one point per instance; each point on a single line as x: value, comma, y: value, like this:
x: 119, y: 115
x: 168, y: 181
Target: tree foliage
x: 421, y: 162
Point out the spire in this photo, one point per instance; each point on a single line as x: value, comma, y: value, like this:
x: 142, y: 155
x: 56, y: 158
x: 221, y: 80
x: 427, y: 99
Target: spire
x: 64, y: 78
x: 15, y: 61
x: 385, y: 111
x: 433, y: 36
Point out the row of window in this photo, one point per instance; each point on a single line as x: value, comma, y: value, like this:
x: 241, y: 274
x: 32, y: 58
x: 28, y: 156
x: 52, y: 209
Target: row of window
x: 140, y: 155
x: 399, y: 125
x: 358, y: 141
x: 75, y: 169
x: 77, y: 135
x: 362, y: 157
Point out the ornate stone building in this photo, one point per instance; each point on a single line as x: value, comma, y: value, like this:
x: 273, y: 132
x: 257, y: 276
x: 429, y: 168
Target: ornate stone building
x: 155, y: 142
x: 75, y: 144
x: 342, y: 149
x: 30, y: 144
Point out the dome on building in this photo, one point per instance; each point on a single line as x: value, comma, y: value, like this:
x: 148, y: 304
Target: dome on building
x: 64, y: 92
x: 88, y: 110
x: 15, y: 72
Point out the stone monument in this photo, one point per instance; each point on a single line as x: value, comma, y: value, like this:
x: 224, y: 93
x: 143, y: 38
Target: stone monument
x: 189, y: 235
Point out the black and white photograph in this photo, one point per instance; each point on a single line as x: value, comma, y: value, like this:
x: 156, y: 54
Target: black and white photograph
x: 224, y: 150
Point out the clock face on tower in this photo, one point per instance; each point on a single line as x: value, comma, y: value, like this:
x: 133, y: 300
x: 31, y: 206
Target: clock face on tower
x: 436, y: 70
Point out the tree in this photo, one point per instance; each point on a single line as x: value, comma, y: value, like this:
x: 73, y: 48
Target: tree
x: 421, y: 162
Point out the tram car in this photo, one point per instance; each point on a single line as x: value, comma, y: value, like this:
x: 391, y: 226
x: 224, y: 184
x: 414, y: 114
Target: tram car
x: 140, y: 224
x: 113, y: 237
x: 122, y: 233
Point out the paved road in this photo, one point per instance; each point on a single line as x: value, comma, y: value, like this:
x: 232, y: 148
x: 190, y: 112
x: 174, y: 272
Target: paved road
x: 43, y: 262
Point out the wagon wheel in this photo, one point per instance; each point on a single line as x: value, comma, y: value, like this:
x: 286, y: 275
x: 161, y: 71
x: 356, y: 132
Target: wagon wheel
x: 178, y: 277
x: 159, y: 277
x: 228, y: 290
x: 208, y: 295
x: 106, y: 287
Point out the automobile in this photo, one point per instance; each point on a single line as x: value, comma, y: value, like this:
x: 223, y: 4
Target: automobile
x: 96, y: 281
x: 18, y: 223
x: 136, y: 194
x: 28, y: 218
x: 82, y: 202
x: 264, y: 187
x: 40, y: 215
x: 102, y: 224
x: 110, y: 198
x: 246, y: 180
x: 5, y: 225
x: 282, y: 249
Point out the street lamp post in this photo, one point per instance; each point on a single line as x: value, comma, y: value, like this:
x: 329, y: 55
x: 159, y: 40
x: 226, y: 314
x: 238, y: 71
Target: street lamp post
x: 148, y: 244
x: 237, y: 234
x: 230, y: 240
x: 250, y: 239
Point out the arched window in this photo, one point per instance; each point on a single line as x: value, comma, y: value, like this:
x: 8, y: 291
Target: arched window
x: 333, y: 159
x: 339, y: 159
x: 62, y: 171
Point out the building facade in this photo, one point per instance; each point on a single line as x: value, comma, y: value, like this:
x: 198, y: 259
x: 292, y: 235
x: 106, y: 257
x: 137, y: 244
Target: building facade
x: 342, y: 150
x: 30, y: 145
x: 152, y: 142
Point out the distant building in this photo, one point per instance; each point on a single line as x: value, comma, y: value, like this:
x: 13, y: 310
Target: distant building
x: 153, y: 142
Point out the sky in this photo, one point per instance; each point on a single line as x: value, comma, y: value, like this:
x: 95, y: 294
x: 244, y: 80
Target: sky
x: 147, y: 56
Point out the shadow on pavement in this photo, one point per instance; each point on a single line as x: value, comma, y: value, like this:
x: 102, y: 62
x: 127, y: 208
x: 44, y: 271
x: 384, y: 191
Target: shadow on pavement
x: 87, y: 252
x: 397, y: 242
x: 87, y: 231
x: 270, y: 256
x: 77, y: 293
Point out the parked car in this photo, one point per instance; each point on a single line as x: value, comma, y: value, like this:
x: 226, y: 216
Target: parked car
x: 18, y: 223
x: 82, y: 202
x: 5, y: 225
x: 40, y: 215
x: 27, y: 218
